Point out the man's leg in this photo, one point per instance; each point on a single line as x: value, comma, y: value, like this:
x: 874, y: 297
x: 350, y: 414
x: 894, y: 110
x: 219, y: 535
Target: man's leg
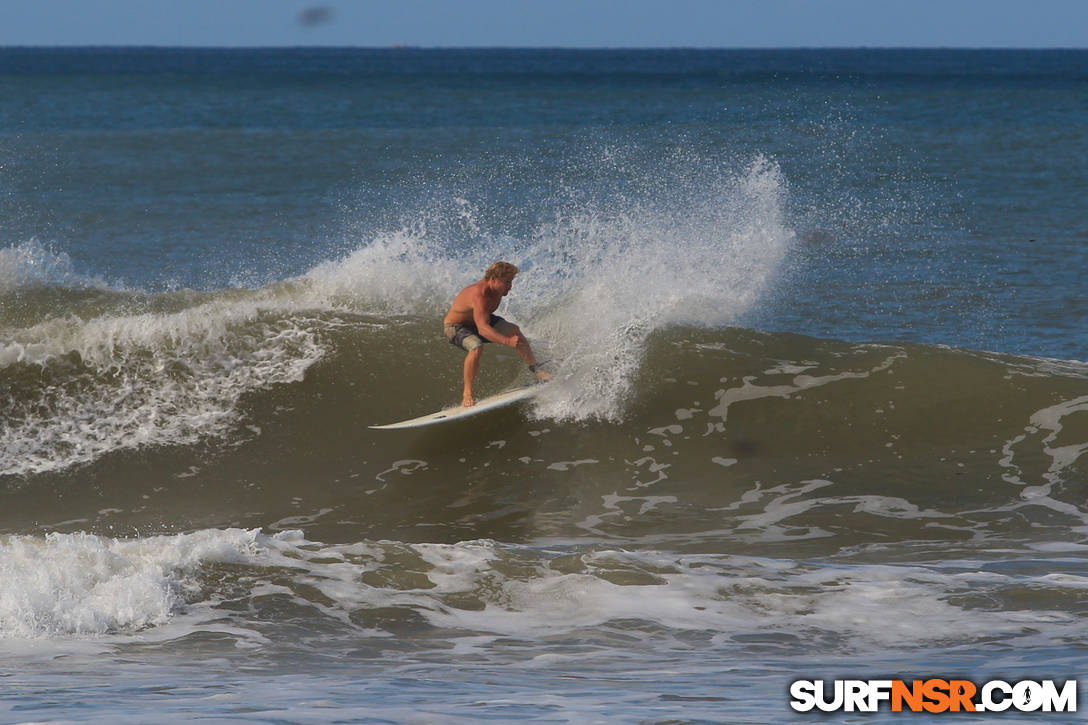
x: 526, y: 353
x: 472, y: 365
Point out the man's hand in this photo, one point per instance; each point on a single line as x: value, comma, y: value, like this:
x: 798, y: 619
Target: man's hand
x: 513, y: 341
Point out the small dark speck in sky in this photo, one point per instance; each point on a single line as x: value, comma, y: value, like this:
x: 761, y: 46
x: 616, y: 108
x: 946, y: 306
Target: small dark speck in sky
x: 316, y: 15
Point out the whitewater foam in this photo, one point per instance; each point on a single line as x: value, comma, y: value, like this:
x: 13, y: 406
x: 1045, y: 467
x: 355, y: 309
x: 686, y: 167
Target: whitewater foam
x: 80, y: 584
x: 475, y: 594
x: 34, y: 263
x: 701, y: 256
x: 127, y: 381
x: 699, y: 246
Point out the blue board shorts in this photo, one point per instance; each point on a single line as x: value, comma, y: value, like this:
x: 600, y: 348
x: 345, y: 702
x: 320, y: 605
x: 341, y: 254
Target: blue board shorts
x: 468, y: 338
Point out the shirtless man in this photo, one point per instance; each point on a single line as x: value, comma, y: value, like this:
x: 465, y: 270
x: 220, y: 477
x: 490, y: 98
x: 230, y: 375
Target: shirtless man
x: 472, y: 321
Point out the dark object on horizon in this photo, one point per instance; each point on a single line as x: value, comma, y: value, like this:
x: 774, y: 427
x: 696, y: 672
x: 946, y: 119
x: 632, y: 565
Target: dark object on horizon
x: 315, y: 16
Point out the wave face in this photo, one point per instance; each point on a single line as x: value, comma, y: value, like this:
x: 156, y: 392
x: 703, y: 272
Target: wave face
x: 250, y: 398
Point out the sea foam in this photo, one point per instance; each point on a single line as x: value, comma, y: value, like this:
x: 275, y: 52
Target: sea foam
x: 32, y: 262
x: 81, y: 584
x: 127, y: 381
x: 475, y: 593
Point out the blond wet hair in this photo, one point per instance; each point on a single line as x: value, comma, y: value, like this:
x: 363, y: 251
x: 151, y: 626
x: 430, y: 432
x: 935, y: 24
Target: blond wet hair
x: 501, y: 270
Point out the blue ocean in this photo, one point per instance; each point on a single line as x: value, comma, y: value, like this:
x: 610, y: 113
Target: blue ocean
x: 816, y: 318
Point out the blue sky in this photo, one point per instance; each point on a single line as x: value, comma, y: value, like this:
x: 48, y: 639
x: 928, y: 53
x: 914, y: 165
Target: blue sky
x: 562, y: 23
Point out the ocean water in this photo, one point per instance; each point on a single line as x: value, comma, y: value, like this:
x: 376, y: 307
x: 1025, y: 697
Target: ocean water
x: 818, y: 326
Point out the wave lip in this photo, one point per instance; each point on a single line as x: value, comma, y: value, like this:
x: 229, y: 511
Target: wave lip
x: 32, y: 263
x: 700, y: 253
x: 80, y: 389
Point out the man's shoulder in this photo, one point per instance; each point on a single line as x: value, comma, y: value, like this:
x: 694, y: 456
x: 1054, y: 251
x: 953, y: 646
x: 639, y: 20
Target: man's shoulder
x: 477, y: 290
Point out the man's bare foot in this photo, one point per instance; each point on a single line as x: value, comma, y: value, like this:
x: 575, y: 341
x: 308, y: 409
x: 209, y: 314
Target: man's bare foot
x: 468, y: 401
x: 542, y: 376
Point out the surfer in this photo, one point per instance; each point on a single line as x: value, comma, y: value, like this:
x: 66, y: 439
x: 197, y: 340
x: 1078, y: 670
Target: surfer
x: 472, y: 321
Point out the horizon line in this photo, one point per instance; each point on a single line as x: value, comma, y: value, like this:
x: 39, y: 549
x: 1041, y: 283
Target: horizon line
x: 409, y: 46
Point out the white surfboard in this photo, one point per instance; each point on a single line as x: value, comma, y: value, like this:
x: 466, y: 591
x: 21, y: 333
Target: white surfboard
x: 460, y: 412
